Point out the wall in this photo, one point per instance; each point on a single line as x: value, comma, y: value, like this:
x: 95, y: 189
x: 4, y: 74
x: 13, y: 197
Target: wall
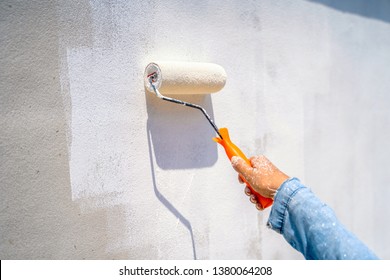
x: 92, y: 167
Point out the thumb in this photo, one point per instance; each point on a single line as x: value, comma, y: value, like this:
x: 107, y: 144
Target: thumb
x: 241, y: 167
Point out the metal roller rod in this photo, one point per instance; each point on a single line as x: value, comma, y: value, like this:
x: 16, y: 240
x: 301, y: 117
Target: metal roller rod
x: 159, y: 95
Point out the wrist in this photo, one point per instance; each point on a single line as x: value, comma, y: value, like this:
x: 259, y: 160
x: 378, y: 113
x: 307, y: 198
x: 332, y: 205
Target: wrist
x: 279, y: 180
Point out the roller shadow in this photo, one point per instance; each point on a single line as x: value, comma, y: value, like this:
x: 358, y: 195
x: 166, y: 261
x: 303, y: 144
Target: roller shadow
x: 181, y: 136
x: 186, y: 223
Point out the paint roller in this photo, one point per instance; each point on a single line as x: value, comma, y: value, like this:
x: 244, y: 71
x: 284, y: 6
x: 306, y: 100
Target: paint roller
x: 185, y: 78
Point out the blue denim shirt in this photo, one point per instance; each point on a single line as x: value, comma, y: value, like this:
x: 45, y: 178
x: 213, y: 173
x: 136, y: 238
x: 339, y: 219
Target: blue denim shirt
x: 311, y: 227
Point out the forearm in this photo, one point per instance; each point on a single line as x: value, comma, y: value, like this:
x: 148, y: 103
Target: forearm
x: 311, y: 227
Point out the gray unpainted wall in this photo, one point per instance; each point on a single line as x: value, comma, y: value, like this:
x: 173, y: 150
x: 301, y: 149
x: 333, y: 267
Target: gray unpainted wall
x: 94, y: 168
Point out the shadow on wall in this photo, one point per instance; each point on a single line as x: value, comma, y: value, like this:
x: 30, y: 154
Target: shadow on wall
x: 185, y: 222
x: 181, y: 136
x: 376, y: 9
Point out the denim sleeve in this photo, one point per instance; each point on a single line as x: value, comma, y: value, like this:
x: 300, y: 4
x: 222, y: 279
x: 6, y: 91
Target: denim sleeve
x: 311, y: 227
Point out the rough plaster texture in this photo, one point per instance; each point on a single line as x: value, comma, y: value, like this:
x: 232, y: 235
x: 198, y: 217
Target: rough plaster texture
x: 92, y: 167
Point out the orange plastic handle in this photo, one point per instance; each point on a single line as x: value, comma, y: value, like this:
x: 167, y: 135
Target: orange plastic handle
x: 231, y: 151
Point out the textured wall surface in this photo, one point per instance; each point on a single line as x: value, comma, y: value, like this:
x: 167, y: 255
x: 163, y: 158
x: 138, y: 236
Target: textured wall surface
x: 92, y: 167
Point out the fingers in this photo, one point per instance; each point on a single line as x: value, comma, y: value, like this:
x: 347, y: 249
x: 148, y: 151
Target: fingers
x: 253, y: 199
x: 259, y: 207
x: 242, y: 167
x: 240, y: 179
x: 248, y: 191
x: 247, y: 172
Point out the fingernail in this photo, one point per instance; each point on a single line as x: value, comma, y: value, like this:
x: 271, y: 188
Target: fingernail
x: 253, y: 199
x: 259, y: 207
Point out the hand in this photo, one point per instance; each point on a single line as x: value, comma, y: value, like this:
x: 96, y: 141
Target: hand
x: 264, y: 177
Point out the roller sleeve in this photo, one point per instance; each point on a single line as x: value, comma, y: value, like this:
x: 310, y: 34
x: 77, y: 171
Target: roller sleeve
x: 173, y: 78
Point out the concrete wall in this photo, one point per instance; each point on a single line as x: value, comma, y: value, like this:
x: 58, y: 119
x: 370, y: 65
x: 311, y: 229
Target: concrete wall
x: 93, y: 167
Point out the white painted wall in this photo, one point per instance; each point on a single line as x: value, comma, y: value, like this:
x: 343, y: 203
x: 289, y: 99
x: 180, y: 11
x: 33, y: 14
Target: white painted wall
x: 93, y: 167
